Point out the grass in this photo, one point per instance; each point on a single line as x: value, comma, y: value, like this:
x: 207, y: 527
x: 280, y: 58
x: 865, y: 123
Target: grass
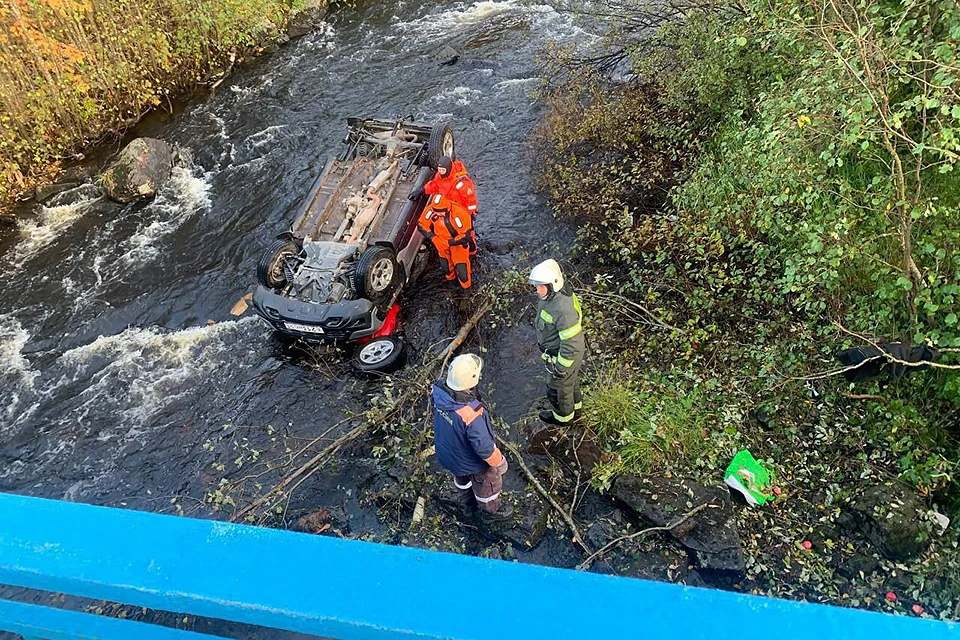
x: 656, y: 422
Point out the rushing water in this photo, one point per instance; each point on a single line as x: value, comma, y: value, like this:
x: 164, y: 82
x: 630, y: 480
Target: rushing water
x: 119, y: 361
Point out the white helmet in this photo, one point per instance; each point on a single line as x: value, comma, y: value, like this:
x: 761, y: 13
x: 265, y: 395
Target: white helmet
x: 548, y: 273
x: 464, y: 372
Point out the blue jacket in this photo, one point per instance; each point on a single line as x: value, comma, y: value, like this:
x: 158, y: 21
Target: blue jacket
x: 462, y: 433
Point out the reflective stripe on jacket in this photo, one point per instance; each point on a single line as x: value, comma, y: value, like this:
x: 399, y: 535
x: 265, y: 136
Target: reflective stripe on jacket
x: 462, y: 432
x: 560, y: 329
x: 447, y: 219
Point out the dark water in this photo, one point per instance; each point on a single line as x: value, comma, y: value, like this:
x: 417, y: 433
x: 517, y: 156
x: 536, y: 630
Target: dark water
x: 116, y: 389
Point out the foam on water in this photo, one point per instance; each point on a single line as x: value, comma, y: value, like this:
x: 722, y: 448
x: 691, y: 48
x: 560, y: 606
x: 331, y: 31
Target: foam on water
x: 13, y: 337
x: 114, y: 389
x: 142, y: 370
x: 460, y: 96
x: 16, y: 375
x: 553, y: 25
x: 183, y: 195
x: 525, y: 83
x: 63, y: 210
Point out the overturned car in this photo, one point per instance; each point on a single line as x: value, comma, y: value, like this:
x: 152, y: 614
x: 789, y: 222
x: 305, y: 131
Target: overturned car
x: 336, y: 273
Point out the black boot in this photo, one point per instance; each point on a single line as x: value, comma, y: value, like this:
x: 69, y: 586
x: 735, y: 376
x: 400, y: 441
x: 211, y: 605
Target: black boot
x: 502, y: 515
x: 549, y: 418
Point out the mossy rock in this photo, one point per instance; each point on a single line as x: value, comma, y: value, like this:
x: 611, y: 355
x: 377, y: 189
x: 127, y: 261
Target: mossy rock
x: 139, y: 171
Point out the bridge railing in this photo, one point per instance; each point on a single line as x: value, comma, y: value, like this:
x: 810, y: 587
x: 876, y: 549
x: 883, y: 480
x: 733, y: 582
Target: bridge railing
x: 354, y: 590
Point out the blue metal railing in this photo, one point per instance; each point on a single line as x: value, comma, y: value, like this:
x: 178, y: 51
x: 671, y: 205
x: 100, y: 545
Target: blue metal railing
x: 364, y: 591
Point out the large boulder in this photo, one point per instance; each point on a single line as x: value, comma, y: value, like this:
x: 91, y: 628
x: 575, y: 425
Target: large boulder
x: 890, y: 517
x: 710, y: 534
x: 140, y: 170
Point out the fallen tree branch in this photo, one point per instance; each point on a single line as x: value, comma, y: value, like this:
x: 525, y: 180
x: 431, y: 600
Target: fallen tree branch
x: 307, y: 468
x: 577, y: 537
x: 464, y: 332
x: 655, y: 319
x: 311, y: 466
x: 583, y: 566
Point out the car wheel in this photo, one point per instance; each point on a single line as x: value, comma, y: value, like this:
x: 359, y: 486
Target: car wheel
x: 381, y: 355
x: 441, y: 144
x: 280, y: 257
x: 376, y: 274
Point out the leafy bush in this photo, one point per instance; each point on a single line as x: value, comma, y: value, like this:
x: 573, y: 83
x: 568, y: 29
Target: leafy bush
x: 650, y: 423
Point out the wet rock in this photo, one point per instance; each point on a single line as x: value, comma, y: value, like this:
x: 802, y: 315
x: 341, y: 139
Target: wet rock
x: 78, y: 173
x: 568, y: 444
x: 694, y: 579
x: 447, y: 56
x: 597, y: 535
x: 846, y: 521
x: 140, y: 170
x: 710, y: 535
x: 492, y: 553
x: 890, y: 518
x: 399, y: 473
x: 43, y: 192
x: 7, y: 221
x: 307, y: 19
x: 858, y: 566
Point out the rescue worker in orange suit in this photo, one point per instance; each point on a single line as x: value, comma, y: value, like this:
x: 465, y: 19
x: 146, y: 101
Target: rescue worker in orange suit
x: 451, y: 182
x: 449, y: 226
x: 465, y: 443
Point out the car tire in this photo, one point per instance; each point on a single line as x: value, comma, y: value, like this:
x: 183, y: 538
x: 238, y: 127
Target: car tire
x: 270, y: 270
x: 381, y: 355
x: 376, y: 275
x: 441, y: 144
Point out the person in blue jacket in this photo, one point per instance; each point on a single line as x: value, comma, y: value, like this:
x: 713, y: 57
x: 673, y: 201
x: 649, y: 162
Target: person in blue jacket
x: 464, y: 440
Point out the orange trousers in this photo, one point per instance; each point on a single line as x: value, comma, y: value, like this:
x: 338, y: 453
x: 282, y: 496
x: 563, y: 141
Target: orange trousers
x: 455, y: 261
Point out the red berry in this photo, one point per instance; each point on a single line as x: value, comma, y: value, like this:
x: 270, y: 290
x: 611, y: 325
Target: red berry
x: 917, y: 609
x: 891, y: 596
x: 776, y: 491
x: 807, y: 545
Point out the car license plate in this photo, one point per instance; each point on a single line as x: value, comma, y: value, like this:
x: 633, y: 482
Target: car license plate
x: 305, y: 328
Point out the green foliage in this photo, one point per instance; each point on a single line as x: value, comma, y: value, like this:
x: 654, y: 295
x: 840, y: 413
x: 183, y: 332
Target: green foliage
x: 776, y: 183
x: 651, y: 423
x: 71, y: 70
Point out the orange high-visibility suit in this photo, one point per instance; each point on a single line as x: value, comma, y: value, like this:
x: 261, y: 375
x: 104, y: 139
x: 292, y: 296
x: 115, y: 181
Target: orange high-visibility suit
x: 456, y: 186
x: 449, y: 226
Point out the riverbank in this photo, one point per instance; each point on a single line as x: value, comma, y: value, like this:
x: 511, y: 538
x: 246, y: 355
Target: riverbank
x: 749, y: 206
x: 74, y: 74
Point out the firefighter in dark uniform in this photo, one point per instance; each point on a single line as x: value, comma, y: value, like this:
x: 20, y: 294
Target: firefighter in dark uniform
x: 465, y: 442
x: 561, y: 341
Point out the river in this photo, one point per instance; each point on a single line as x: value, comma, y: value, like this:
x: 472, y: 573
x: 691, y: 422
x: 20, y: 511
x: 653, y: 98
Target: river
x: 120, y: 366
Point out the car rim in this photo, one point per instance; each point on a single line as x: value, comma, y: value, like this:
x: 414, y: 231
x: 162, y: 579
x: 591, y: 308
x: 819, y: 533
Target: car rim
x: 381, y: 275
x: 448, y: 145
x: 277, y: 276
x: 376, y: 352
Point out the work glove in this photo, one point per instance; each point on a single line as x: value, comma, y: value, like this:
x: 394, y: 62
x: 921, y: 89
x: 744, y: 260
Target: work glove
x: 472, y: 241
x: 426, y: 234
x: 416, y: 193
x: 502, y: 467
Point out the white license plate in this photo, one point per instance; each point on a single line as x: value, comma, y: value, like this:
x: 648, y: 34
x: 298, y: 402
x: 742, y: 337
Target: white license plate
x: 305, y: 328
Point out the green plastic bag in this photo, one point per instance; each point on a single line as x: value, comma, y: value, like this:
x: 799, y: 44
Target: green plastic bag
x: 749, y: 477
